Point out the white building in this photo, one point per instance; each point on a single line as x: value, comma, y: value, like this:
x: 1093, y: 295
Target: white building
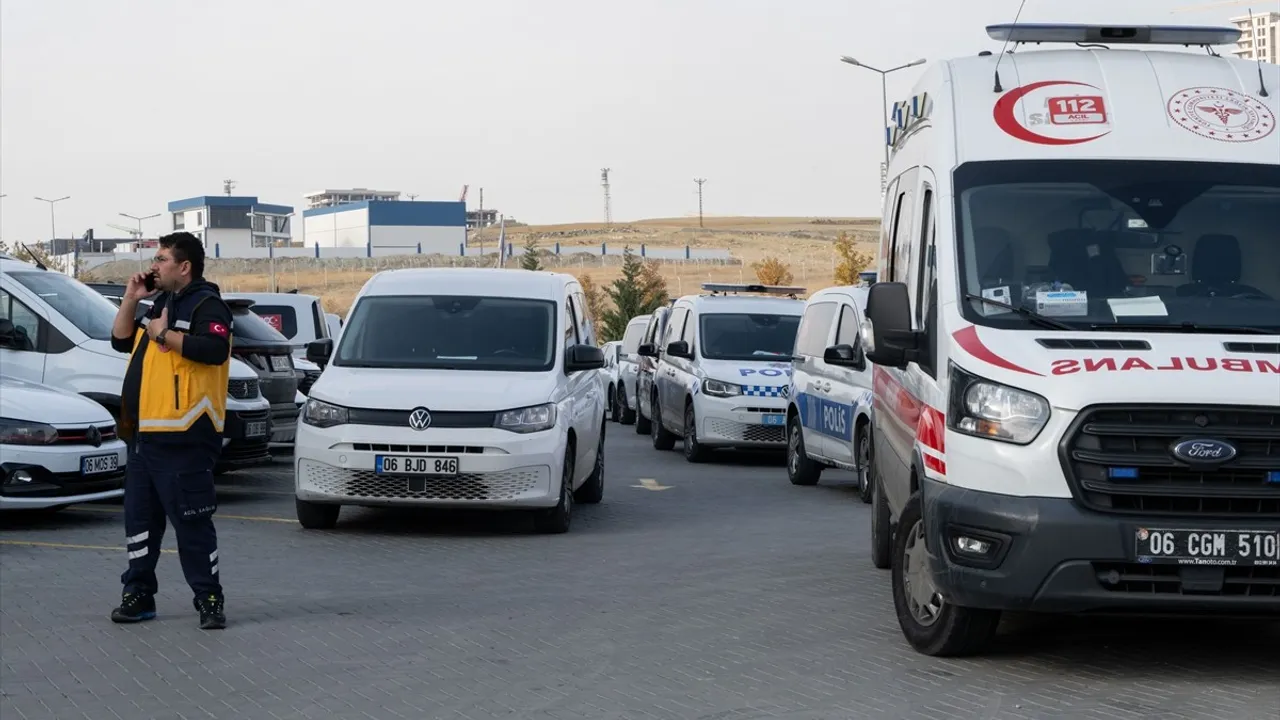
x: 1259, y: 37
x: 329, y: 198
x: 389, y: 226
x: 230, y: 225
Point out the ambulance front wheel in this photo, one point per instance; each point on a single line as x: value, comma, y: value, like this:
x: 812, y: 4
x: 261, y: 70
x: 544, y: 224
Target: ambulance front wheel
x: 317, y: 516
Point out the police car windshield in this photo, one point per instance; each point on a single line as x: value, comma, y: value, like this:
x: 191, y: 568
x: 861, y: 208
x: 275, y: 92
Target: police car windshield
x: 82, y: 306
x: 1180, y: 246
x: 746, y: 336
x: 456, y: 332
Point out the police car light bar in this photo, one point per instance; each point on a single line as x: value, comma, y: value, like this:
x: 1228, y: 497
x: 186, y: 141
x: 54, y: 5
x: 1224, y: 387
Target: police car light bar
x: 1113, y: 34
x: 768, y: 289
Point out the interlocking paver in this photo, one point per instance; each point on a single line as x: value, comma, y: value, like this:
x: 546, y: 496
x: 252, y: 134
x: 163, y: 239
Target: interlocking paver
x: 731, y: 596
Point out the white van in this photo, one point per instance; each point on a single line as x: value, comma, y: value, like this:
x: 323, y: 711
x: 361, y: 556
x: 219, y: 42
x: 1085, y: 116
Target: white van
x: 299, y: 317
x: 56, y: 330
x: 1076, y: 333
x: 724, y: 369
x: 829, y: 416
x: 456, y: 387
x: 628, y: 369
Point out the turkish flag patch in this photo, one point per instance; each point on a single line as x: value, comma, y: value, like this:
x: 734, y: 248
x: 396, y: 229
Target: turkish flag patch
x: 218, y: 329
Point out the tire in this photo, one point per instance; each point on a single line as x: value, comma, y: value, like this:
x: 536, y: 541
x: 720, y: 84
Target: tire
x: 556, y: 520
x: 663, y: 439
x: 615, y: 413
x: 592, y: 491
x: 863, y: 449
x: 881, y: 528
x: 944, y: 630
x: 800, y: 469
x: 628, y: 416
x: 317, y: 516
x: 644, y: 425
x: 694, y: 451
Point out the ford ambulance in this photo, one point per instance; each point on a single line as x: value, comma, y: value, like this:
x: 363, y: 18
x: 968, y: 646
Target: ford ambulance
x: 1076, y: 334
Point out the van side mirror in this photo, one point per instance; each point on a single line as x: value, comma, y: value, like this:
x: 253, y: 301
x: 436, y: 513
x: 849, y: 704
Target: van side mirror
x: 889, y: 311
x: 582, y: 357
x: 647, y: 350
x: 844, y: 355
x: 680, y: 349
x: 319, y: 351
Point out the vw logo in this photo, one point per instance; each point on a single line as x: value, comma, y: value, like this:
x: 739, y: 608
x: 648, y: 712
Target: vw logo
x: 786, y: 391
x: 419, y: 419
x: 94, y: 436
x: 1203, y: 451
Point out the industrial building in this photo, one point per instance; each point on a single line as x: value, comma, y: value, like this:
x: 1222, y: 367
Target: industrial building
x: 409, y: 226
x: 230, y: 224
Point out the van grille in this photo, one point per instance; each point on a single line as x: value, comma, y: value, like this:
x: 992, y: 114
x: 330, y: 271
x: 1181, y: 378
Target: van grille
x: 242, y: 389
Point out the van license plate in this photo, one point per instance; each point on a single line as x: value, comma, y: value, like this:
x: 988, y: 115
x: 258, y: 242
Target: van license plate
x: 1207, y: 547
x: 778, y: 419
x: 99, y: 464
x: 415, y: 465
x: 257, y: 428
x: 280, y: 363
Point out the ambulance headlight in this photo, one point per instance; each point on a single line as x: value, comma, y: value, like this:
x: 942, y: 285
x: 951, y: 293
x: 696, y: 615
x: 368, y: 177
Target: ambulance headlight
x: 983, y: 408
x: 318, y: 413
x: 529, y: 419
x: 719, y: 388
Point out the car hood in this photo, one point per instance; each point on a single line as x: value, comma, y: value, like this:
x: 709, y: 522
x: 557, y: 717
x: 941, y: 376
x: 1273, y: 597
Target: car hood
x: 24, y: 400
x: 462, y: 390
x: 239, y: 370
x: 773, y: 372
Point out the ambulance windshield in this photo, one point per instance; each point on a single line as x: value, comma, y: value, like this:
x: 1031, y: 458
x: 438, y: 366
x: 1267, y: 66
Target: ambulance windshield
x: 1105, y: 245
x: 747, y: 336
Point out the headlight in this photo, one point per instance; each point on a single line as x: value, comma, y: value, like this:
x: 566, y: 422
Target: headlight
x: 719, y: 388
x: 987, y: 409
x: 529, y: 419
x: 323, y: 415
x: 22, y: 432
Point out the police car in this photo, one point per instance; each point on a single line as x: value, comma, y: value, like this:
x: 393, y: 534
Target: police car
x: 724, y: 369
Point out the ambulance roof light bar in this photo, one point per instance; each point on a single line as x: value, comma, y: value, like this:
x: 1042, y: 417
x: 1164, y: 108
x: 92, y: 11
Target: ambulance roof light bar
x: 1204, y: 35
x: 788, y: 290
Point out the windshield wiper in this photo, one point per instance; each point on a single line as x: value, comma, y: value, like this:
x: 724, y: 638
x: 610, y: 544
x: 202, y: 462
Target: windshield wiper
x: 1031, y: 315
x: 1185, y: 327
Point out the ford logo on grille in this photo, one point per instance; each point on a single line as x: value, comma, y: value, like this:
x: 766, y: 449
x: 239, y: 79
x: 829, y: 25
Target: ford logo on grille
x: 419, y: 419
x: 1203, y: 451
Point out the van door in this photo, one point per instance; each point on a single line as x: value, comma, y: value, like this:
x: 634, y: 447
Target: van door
x: 808, y: 373
x: 20, y: 348
x: 847, y: 386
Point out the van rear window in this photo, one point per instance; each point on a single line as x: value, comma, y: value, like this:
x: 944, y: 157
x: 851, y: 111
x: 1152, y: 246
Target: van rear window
x: 281, y: 317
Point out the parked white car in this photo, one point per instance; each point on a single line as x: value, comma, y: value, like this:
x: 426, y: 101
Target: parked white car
x: 300, y: 318
x: 57, y: 448
x: 624, y: 402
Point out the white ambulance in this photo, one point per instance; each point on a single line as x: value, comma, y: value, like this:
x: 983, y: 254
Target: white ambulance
x: 724, y: 369
x: 1076, y: 334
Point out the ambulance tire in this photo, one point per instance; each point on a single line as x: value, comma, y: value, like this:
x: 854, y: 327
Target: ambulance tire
x: 881, y: 527
x: 947, y: 630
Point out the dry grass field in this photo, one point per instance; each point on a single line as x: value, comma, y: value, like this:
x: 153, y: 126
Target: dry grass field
x: 805, y: 245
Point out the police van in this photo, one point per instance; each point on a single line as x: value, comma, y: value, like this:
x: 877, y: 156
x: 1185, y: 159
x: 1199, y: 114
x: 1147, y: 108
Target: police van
x: 1076, y: 333
x: 829, y: 416
x: 723, y: 369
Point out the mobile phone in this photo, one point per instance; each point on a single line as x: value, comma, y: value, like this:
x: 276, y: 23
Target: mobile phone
x: 149, y: 282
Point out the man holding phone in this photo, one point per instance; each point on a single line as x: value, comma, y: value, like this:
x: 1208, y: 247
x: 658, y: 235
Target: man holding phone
x: 173, y: 406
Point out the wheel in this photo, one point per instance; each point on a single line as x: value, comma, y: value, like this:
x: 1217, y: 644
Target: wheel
x: 881, y: 530
x: 556, y: 520
x: 863, y: 459
x: 644, y: 425
x: 931, y: 625
x: 592, y: 491
x: 694, y: 451
x: 317, y: 516
x: 663, y: 439
x: 614, y: 412
x: 627, y: 415
x: 800, y: 469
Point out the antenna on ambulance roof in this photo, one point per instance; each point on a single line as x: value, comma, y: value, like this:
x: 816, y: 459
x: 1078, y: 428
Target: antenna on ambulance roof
x: 997, y: 87
x: 1262, y: 83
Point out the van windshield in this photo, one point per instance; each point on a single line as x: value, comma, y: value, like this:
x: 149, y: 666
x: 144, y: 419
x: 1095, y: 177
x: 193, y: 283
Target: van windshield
x: 747, y: 336
x: 82, y: 306
x: 1105, y: 245
x: 455, y: 332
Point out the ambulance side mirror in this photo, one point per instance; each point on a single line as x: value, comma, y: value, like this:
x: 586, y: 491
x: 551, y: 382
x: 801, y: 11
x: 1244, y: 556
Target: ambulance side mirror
x: 894, y: 343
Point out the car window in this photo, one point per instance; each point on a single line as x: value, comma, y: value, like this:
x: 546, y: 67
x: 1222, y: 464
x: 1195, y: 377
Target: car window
x: 82, y: 306
x: 456, y: 332
x: 747, y: 336
x: 631, y: 338
x: 811, y: 338
x: 281, y: 317
x: 251, y: 327
x: 847, y: 333
x: 26, y: 324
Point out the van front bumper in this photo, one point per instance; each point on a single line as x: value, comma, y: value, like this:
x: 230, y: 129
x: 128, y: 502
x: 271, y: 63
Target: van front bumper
x: 1049, y: 555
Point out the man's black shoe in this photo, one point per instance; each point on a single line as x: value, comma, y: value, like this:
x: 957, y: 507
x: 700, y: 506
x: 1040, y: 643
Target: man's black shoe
x: 211, y: 617
x: 134, y: 607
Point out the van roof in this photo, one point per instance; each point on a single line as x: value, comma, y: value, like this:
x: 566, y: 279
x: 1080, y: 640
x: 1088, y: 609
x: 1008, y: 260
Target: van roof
x: 1085, y: 103
x: 745, y: 303
x: 497, y: 282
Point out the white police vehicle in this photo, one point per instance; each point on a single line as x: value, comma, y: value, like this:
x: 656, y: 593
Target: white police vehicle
x: 724, y: 369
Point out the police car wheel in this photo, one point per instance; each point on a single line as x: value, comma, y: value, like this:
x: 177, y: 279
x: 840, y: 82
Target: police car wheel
x: 627, y: 415
x: 317, y: 516
x: 557, y: 519
x: 800, y: 469
x: 663, y: 439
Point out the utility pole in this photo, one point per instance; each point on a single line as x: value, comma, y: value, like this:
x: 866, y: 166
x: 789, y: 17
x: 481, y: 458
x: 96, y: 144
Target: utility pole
x: 53, y: 225
x: 227, y: 185
x: 608, y: 203
x: 139, y: 220
x: 700, y: 181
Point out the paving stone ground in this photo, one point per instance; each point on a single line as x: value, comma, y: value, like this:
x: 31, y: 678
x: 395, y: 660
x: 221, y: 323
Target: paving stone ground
x: 732, y: 595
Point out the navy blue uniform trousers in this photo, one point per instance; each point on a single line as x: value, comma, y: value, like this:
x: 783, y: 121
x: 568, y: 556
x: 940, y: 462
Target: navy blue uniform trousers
x: 174, y: 481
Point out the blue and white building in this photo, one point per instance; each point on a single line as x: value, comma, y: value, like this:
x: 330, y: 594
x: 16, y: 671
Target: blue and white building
x: 387, y: 227
x: 233, y: 224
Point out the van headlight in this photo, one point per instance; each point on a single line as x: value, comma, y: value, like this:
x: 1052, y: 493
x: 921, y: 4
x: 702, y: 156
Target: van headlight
x: 719, y: 388
x: 318, y: 413
x: 529, y: 419
x: 987, y: 409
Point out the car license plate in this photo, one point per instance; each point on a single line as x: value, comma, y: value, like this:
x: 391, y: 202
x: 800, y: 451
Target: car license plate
x: 99, y: 464
x: 778, y: 419
x: 1207, y: 547
x: 280, y: 363
x: 256, y: 428
x: 415, y: 465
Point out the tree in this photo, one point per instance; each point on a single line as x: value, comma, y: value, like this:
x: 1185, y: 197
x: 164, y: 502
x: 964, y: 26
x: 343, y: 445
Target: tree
x: 639, y: 291
x: 851, y: 262
x: 595, y: 302
x: 772, y: 271
x: 529, y: 260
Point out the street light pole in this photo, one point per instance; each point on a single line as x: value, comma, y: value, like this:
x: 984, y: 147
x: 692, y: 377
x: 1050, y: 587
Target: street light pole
x: 884, y: 96
x: 139, y: 220
x: 53, y: 225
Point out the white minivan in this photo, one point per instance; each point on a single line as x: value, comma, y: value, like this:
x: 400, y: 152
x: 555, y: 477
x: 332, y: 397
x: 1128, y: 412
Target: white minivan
x: 1076, y: 334
x: 628, y: 369
x: 457, y: 387
x: 829, y: 416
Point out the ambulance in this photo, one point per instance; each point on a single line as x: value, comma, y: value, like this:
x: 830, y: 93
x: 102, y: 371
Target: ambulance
x: 1075, y: 333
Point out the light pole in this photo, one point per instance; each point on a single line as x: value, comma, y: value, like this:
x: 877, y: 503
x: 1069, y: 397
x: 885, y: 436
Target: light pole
x: 53, y: 225
x: 139, y: 220
x: 884, y: 96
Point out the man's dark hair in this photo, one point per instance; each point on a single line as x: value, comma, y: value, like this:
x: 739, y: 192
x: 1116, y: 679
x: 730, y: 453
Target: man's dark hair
x: 186, y: 247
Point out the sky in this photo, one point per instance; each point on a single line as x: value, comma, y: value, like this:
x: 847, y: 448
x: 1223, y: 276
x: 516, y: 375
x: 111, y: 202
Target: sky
x: 127, y: 105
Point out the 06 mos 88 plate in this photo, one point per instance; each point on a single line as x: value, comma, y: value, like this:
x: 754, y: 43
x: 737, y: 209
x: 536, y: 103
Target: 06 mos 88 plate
x: 1207, y: 547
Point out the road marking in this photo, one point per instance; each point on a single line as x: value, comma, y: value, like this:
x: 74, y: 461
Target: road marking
x: 651, y: 484
x: 256, y: 518
x: 37, y: 543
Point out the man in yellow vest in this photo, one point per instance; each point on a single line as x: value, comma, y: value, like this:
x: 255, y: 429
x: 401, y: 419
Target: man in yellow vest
x: 173, y: 406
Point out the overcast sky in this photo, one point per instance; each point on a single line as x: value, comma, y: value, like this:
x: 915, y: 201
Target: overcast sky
x: 125, y: 106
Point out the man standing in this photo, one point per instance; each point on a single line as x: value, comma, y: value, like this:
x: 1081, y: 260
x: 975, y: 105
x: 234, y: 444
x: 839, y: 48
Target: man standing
x: 173, y: 405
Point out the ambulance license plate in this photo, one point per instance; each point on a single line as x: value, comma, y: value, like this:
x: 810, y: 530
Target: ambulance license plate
x: 99, y: 464
x: 431, y: 465
x: 1207, y: 547
x: 778, y: 419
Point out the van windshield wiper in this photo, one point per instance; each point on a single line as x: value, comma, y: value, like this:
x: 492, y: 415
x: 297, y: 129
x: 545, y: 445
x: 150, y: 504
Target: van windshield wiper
x: 1185, y: 327
x: 1031, y: 315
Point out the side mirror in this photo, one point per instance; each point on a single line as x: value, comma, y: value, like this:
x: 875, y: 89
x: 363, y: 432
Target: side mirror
x: 848, y: 356
x: 582, y: 357
x: 647, y: 350
x: 319, y: 351
x: 680, y: 349
x: 894, y: 343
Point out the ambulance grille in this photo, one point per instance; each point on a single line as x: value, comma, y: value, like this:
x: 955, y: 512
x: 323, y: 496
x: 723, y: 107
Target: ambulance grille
x: 1119, y: 459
